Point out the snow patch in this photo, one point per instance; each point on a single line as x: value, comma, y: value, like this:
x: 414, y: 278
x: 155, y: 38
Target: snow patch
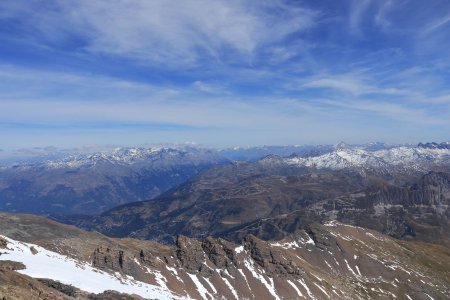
x: 52, y: 265
x: 270, y: 286
x: 200, y: 288
x: 160, y: 279
x: 374, y: 237
x: 299, y: 293
x: 322, y: 289
x: 210, y: 285
x: 239, y: 249
x: 348, y: 267
x: 174, y: 272
x: 329, y: 266
x: 231, y: 288
x: 331, y: 223
x: 245, y: 278
x: 302, y: 282
x: 429, y: 296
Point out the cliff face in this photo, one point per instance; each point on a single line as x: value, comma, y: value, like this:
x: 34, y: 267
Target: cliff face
x: 332, y: 260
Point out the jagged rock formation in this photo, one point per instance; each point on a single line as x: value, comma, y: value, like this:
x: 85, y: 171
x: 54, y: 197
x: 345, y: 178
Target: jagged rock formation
x: 326, y: 261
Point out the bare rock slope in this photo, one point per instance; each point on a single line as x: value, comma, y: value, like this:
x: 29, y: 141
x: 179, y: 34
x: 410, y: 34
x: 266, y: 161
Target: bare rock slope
x: 323, y: 261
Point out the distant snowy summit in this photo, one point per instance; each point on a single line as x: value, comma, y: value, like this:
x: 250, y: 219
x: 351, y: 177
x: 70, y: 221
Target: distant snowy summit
x: 371, y: 156
x: 129, y: 156
x: 93, y: 183
x: 386, y: 160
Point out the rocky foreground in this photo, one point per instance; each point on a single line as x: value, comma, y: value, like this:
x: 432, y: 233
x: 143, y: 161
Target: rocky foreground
x: 324, y: 261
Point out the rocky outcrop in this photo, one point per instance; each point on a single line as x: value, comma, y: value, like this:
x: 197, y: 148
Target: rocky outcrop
x: 220, y: 252
x: 11, y: 265
x: 3, y: 243
x: 112, y: 295
x: 106, y: 258
x: 190, y: 255
x: 271, y: 259
x: 74, y: 293
x: 66, y: 289
x: 15, y: 286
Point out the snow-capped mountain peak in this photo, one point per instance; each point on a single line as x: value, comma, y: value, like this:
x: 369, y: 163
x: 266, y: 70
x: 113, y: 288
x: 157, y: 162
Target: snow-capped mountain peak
x: 129, y: 156
x: 399, y: 158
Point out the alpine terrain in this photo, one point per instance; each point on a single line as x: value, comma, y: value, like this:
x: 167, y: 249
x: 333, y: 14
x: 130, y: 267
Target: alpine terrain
x: 349, y: 222
x: 402, y: 191
x: 46, y: 260
x: 175, y: 150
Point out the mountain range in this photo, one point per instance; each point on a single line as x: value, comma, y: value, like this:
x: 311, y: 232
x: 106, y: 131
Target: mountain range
x: 93, y: 183
x: 327, y: 222
x: 273, y: 197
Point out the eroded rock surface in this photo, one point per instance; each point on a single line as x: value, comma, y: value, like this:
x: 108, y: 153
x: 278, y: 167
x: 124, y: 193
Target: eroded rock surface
x: 331, y: 260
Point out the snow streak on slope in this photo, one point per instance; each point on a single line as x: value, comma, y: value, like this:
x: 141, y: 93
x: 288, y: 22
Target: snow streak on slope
x: 48, y: 264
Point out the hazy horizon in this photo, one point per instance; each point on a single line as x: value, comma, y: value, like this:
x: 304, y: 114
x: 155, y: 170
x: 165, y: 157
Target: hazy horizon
x: 35, y: 152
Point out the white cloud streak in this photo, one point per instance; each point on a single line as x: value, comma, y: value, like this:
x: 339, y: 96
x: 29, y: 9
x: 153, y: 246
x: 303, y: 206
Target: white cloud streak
x: 356, y: 83
x: 437, y: 24
x: 200, y: 105
x: 357, y: 11
x: 208, y: 51
x: 159, y: 31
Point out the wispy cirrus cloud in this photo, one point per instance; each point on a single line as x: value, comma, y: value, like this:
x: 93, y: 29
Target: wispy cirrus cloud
x: 358, y: 83
x: 437, y: 24
x: 381, y: 17
x: 340, y: 83
x: 184, y: 34
x: 357, y: 10
x: 188, y: 106
x: 223, y: 72
x: 393, y: 110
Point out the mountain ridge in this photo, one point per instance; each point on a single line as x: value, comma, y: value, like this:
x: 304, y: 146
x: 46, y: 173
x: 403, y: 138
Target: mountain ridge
x: 325, y: 260
x: 224, y: 200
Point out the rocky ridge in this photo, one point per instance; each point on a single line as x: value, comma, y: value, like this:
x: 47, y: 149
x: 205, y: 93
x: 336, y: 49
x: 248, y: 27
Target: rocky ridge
x: 332, y: 260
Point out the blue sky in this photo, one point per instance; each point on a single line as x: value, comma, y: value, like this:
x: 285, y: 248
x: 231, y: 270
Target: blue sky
x: 223, y: 72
